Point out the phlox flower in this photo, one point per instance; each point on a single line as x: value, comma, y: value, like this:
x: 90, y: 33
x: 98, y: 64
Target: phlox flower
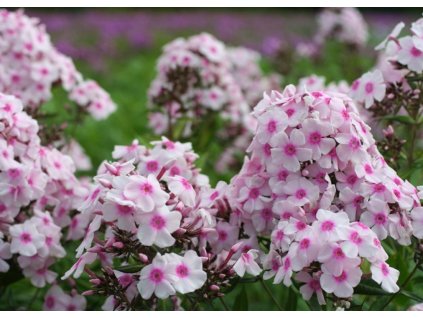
x: 311, y: 286
x: 315, y: 133
x: 289, y: 151
x: 369, y: 87
x: 254, y: 194
x: 247, y: 263
x: 25, y: 239
x: 188, y: 271
x: 157, y: 278
x: 224, y: 236
x: 376, y: 217
x: 56, y: 299
x: 417, y: 220
x: 385, y: 275
x: 270, y: 123
x: 334, y: 259
x: 284, y: 272
x: 300, y: 191
x: 331, y: 226
x: 410, y: 55
x: 342, y: 285
x: 156, y: 228
x: 182, y: 188
x: 145, y: 192
x: 4, y: 254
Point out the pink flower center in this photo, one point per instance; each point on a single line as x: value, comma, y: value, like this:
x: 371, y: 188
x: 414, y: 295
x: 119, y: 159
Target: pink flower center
x: 290, y: 150
x: 368, y: 168
x: 214, y: 195
x: 282, y: 175
x: 182, y: 271
x: 222, y: 235
x: 354, y: 143
x: 354, y: 85
x: 385, y: 270
x: 174, y: 171
x: 254, y: 193
x: 152, y: 165
x: 300, y: 194
x: 267, y: 149
x: 327, y: 226
x: 186, y: 184
x: 315, y: 138
x: 287, y: 263
x: 286, y: 215
x: 380, y: 218
x: 275, y: 265
x: 25, y: 238
x: 2, y: 208
x: 300, y: 225
x: 156, y: 275
x: 338, y: 253
x: 124, y: 210
x: 157, y: 222
x: 357, y: 201
x: 380, y: 187
x: 415, y: 52
x: 341, y: 278
x: 314, y: 284
x: 352, y: 179
x: 355, y: 238
x: 271, y: 126
x: 290, y: 112
x: 369, y: 87
x: 146, y: 188
x: 280, y: 235
x: 266, y: 214
x: 305, y: 244
x: 50, y: 301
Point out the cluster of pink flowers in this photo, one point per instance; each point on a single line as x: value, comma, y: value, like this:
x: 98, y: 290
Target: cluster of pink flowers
x: 38, y: 191
x: 56, y: 299
x: 30, y: 66
x: 317, y: 184
x: 345, y: 25
x: 194, y: 78
x: 153, y: 209
x: 401, y: 57
x: 245, y: 67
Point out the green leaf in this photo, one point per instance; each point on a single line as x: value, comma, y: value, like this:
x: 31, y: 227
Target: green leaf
x: 129, y: 268
x: 291, y: 302
x: 401, y: 119
x: 241, y: 301
x: 368, y: 287
x: 411, y: 295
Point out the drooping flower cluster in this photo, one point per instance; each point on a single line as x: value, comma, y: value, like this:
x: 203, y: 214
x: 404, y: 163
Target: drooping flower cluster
x: 391, y: 92
x: 345, y: 25
x: 153, y: 212
x: 316, y: 182
x: 38, y: 191
x: 30, y: 66
x: 194, y: 80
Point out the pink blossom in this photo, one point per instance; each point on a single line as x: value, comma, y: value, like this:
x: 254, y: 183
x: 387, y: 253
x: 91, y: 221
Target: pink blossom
x: 386, y: 276
x: 247, y: 263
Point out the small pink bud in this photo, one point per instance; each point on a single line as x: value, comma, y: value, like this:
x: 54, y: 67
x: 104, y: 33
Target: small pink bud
x: 111, y: 168
x: 143, y: 258
x: 118, y: 244
x: 236, y: 247
x: 95, y: 281
x: 180, y: 232
x: 214, y: 288
x: 105, y: 183
x: 389, y: 131
x: 88, y: 293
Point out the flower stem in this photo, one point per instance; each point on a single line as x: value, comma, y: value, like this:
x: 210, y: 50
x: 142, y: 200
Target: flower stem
x: 224, y: 304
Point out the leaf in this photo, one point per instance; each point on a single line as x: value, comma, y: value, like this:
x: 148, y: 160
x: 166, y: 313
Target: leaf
x: 313, y: 304
x: 368, y: 287
x: 411, y: 295
x: 129, y: 268
x: 241, y: 301
x: 291, y: 302
x: 400, y: 118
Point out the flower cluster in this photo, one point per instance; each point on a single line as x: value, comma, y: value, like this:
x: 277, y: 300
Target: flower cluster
x: 194, y: 79
x: 57, y: 299
x: 346, y: 25
x: 38, y: 190
x: 317, y: 184
x: 391, y: 92
x: 30, y: 66
x: 155, y: 215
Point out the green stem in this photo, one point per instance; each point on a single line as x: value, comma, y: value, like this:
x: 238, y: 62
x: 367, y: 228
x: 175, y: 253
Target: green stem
x: 269, y: 292
x: 403, y: 285
x: 34, y: 297
x: 224, y: 304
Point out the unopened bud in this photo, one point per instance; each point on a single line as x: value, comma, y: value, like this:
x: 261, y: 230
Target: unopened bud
x: 236, y: 247
x: 389, y: 131
x: 105, y: 183
x: 143, y: 258
x: 118, y: 244
x: 95, y: 281
x: 88, y: 293
x: 214, y: 288
x: 180, y: 232
x: 112, y: 169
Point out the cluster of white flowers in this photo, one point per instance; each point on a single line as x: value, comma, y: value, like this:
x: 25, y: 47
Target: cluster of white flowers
x: 38, y: 190
x: 30, y: 66
x: 344, y: 24
x: 317, y: 184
